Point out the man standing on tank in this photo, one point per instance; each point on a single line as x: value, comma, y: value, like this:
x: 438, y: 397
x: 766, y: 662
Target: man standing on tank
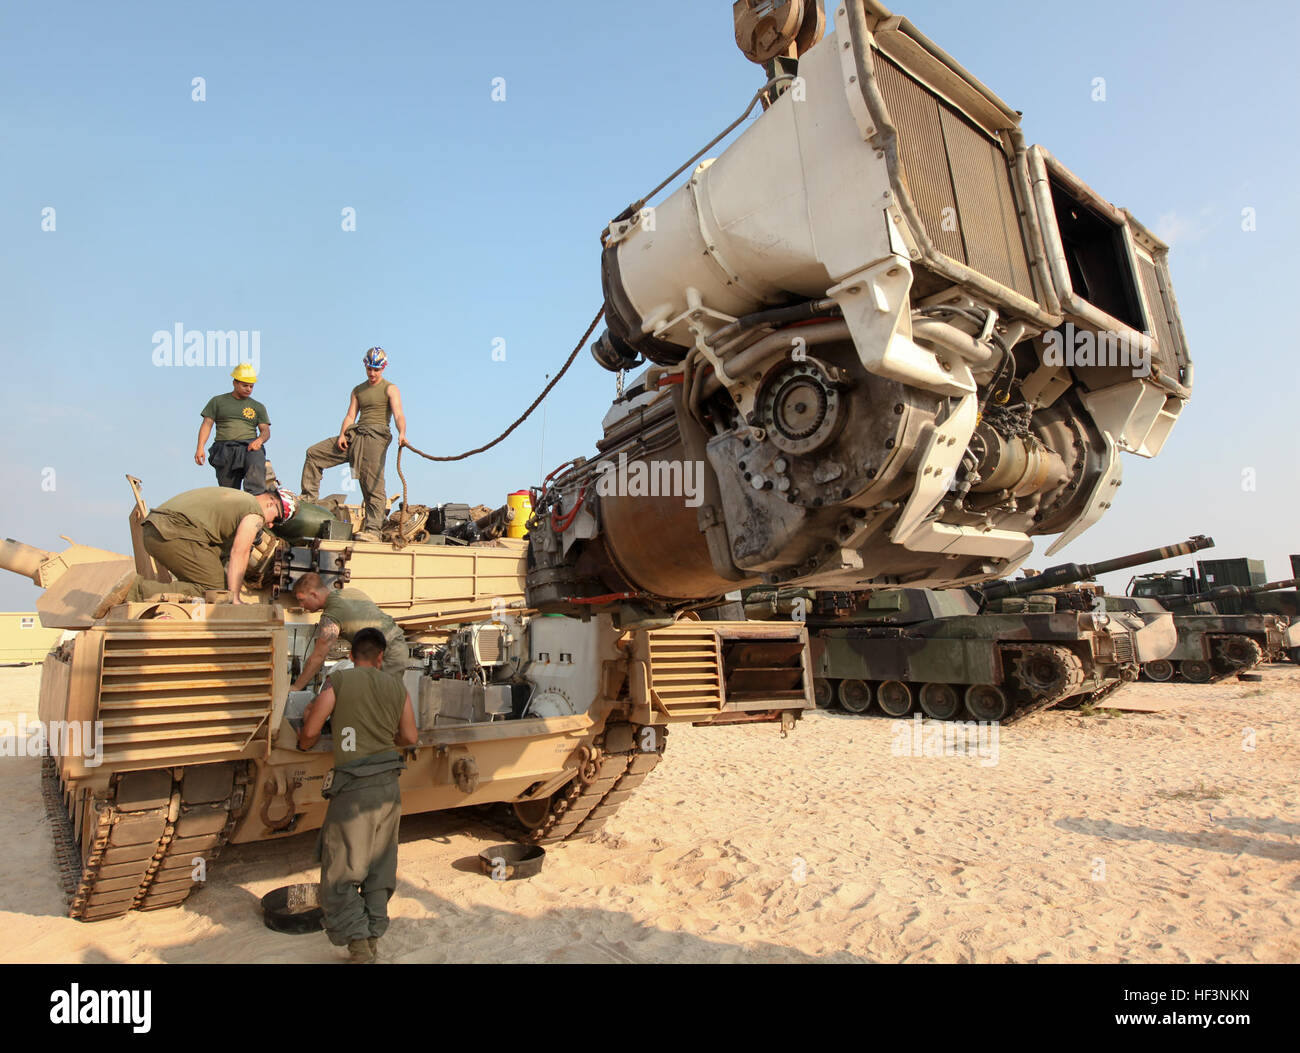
x: 370, y: 716
x: 362, y: 441
x: 238, y: 452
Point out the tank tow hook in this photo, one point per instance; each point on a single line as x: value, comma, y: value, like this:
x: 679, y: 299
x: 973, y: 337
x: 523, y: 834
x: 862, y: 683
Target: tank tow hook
x: 280, y: 786
x: 589, y: 759
x: 465, y: 771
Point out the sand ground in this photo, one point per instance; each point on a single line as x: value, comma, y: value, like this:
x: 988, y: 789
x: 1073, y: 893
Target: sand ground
x: 1156, y: 837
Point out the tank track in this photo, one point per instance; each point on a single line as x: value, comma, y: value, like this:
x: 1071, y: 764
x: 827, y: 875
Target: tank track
x: 1089, y: 699
x: 66, y: 850
x: 143, y: 851
x: 1223, y: 645
x: 604, y: 782
x: 1219, y: 677
x: 1218, y: 673
x: 1071, y: 677
x: 581, y: 808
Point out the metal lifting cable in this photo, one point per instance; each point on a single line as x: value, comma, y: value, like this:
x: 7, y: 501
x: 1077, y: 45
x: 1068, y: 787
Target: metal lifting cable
x: 400, y: 540
x: 633, y: 209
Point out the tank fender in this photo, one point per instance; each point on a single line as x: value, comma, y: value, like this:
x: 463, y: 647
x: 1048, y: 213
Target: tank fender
x: 1156, y: 639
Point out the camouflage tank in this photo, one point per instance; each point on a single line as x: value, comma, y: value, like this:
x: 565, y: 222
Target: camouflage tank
x: 994, y: 653
x: 1211, y: 646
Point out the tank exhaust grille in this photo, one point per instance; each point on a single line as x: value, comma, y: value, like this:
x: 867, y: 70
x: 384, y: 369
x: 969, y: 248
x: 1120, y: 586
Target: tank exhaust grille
x: 685, y: 669
x: 183, y: 697
x: 728, y: 670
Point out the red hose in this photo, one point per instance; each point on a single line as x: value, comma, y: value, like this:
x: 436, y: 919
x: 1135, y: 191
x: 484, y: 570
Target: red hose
x: 561, y: 525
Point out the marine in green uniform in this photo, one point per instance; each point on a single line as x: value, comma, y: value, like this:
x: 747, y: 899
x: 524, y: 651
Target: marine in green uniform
x: 344, y: 613
x: 194, y: 534
x: 370, y: 714
x: 362, y: 442
x: 238, y: 453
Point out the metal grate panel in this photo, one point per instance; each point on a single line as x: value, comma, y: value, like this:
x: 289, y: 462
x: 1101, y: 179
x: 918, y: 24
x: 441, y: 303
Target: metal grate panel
x: 184, y: 697
x: 1123, y: 647
x: 489, y: 644
x: 948, y: 163
x: 925, y: 159
x: 685, y: 670
x: 989, y: 223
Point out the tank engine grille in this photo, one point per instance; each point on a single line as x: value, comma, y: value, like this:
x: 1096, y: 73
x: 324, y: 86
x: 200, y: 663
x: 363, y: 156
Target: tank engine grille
x: 685, y: 669
x: 702, y: 669
x: 959, y: 178
x: 183, y: 696
x: 1124, y: 650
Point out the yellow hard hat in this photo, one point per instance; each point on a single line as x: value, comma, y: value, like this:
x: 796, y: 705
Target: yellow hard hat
x: 245, y: 373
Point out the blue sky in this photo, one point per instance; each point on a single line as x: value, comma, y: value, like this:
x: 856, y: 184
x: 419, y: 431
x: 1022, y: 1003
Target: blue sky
x: 479, y: 220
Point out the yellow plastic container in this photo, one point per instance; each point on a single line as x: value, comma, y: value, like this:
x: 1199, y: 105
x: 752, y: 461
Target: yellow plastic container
x: 520, y: 504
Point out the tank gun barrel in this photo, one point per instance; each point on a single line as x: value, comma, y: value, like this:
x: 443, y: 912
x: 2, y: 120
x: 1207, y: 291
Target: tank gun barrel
x: 23, y: 559
x: 1069, y: 573
x: 1226, y: 591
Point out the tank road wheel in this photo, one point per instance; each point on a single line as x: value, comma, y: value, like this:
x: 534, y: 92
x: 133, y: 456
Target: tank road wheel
x: 823, y: 692
x: 1161, y: 670
x: 895, y: 698
x: 1237, y: 653
x: 1047, y: 671
x: 1196, y: 672
x: 987, y: 702
x: 940, y: 701
x: 855, y: 695
x: 532, y: 814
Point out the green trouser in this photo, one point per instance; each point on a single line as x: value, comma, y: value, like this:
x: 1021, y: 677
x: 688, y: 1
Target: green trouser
x: 365, y: 455
x: 195, y: 566
x: 358, y: 857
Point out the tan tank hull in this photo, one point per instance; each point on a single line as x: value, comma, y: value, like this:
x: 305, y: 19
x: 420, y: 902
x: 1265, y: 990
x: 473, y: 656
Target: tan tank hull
x: 179, y: 744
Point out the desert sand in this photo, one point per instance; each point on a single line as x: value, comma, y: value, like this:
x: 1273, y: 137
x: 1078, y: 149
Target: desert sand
x: 1169, y: 836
